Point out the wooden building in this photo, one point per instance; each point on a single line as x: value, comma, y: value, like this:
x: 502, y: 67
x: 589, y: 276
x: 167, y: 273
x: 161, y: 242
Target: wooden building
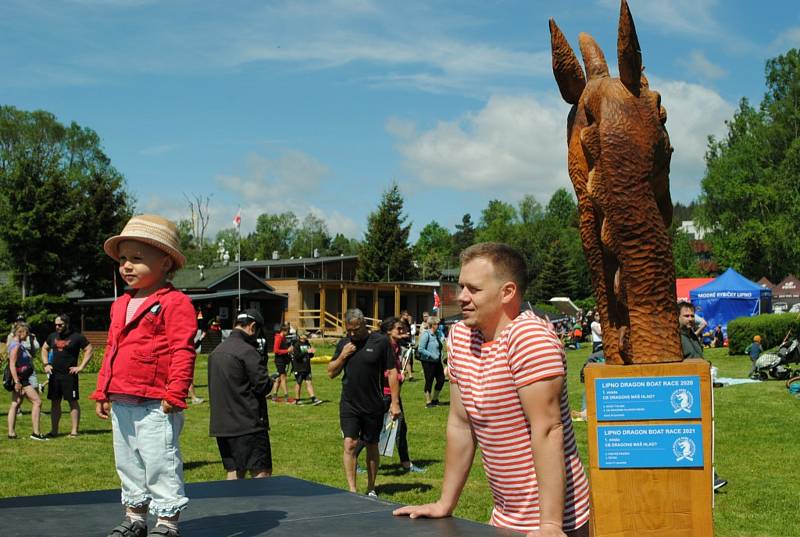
x: 215, y: 294
x: 321, y: 289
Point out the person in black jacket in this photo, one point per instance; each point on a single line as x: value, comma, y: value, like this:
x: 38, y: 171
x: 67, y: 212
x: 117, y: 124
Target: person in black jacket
x: 238, y: 383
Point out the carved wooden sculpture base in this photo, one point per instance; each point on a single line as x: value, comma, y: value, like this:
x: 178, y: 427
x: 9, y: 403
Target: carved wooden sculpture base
x: 652, y: 502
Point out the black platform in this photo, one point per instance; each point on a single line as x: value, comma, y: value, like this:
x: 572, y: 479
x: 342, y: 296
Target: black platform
x: 248, y: 508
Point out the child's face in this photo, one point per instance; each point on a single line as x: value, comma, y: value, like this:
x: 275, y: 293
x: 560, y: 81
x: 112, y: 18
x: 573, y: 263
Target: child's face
x: 142, y: 266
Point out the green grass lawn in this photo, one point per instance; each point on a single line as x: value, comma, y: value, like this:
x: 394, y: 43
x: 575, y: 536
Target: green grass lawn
x: 756, y: 447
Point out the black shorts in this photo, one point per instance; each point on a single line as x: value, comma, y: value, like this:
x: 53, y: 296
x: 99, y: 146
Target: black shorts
x: 300, y: 376
x: 366, y: 427
x: 63, y: 386
x: 280, y: 364
x: 246, y: 452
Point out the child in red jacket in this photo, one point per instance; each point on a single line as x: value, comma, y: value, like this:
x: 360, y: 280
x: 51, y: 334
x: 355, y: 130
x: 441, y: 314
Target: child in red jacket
x: 146, y: 372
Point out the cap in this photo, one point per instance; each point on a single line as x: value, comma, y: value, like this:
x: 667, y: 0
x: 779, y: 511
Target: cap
x: 251, y: 315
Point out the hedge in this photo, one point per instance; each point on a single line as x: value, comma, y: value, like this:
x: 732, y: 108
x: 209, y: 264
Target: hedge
x: 772, y: 328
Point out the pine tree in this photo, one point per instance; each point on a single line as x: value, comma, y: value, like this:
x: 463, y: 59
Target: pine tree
x: 385, y: 254
x: 464, y: 237
x: 558, y: 277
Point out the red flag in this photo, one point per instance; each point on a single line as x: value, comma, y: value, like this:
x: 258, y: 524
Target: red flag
x: 436, y: 301
x: 237, y: 220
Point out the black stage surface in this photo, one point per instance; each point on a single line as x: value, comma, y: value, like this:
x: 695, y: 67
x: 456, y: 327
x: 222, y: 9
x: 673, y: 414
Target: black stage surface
x: 276, y: 506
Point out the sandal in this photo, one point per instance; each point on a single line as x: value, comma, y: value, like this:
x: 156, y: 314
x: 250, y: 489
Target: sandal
x: 163, y: 531
x: 129, y: 528
x: 12, y: 437
x: 73, y: 435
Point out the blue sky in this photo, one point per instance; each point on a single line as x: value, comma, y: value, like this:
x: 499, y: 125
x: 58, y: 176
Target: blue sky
x: 317, y: 106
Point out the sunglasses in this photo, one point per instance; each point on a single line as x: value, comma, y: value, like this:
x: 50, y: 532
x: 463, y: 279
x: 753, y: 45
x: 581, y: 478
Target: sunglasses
x: 59, y: 324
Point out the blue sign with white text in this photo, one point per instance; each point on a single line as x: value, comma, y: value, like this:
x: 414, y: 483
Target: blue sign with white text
x: 650, y: 446
x: 648, y: 398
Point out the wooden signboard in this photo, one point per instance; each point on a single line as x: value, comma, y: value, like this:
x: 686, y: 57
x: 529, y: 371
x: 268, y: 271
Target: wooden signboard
x: 651, y: 449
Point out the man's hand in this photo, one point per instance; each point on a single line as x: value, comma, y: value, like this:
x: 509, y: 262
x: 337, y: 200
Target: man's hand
x: 429, y: 510
x: 394, y: 410
x: 547, y: 529
x: 347, y: 350
x: 166, y: 407
x: 102, y: 409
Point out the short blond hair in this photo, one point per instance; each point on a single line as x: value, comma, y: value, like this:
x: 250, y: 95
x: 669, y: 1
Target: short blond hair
x: 508, y: 263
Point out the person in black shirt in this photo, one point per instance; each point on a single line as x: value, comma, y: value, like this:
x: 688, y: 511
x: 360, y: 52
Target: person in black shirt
x: 60, y: 357
x: 238, y: 383
x: 363, y: 356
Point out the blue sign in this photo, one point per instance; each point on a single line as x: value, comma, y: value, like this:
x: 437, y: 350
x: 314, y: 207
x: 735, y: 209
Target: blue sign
x: 650, y: 446
x: 647, y: 398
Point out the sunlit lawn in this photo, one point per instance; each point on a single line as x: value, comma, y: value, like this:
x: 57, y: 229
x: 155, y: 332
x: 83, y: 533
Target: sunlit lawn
x: 757, y: 427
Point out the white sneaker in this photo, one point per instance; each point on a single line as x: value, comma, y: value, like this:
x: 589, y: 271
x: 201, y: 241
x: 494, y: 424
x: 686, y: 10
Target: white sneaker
x: 372, y: 494
x: 197, y: 400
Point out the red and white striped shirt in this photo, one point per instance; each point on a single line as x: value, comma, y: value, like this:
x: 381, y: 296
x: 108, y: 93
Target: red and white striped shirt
x: 488, y: 375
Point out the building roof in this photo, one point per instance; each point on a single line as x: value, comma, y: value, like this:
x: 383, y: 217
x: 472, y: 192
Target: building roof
x: 228, y: 293
x: 298, y: 261
x: 194, y: 278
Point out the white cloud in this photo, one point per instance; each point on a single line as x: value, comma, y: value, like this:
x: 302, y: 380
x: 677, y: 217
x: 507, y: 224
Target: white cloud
x: 787, y: 39
x: 682, y: 16
x: 699, y: 65
x: 517, y: 145
x: 290, y: 173
x: 155, y: 150
x: 694, y: 112
x: 514, y: 144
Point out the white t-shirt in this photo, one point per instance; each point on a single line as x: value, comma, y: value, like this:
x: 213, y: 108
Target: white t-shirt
x: 597, y: 332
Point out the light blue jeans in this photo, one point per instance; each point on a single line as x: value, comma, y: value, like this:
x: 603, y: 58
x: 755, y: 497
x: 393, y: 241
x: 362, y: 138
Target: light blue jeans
x: 148, y: 457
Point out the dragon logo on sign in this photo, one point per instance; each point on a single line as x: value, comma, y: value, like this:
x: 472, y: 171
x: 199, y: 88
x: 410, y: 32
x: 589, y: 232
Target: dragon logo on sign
x: 682, y: 401
x: 684, y: 449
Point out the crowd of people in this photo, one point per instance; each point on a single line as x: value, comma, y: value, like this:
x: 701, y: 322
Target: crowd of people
x: 507, y: 391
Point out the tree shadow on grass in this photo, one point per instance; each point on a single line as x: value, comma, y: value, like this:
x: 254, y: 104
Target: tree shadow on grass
x: 394, y: 488
x: 192, y: 465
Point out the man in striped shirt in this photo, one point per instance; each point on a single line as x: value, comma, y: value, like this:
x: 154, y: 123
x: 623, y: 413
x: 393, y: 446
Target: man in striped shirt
x: 508, y: 394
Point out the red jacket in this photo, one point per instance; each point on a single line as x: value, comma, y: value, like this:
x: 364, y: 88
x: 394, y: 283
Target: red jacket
x: 153, y: 355
x: 277, y: 345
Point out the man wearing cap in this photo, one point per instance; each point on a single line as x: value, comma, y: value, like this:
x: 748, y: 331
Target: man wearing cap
x: 238, y: 383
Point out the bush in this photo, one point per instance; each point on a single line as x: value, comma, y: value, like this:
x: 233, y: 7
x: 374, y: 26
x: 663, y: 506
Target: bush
x: 772, y: 328
x: 586, y: 304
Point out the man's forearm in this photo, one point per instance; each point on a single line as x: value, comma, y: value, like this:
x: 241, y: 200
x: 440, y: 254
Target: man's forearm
x: 87, y: 355
x: 394, y: 386
x: 335, y: 366
x: 548, y: 456
x: 459, y: 454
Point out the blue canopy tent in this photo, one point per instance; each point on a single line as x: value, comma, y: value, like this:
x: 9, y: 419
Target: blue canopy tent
x: 729, y: 296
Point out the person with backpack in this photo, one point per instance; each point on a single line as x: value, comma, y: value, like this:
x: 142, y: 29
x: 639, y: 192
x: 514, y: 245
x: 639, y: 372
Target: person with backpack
x: 20, y: 371
x: 431, y: 346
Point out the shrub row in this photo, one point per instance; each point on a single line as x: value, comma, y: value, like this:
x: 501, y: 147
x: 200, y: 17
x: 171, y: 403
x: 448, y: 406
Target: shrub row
x: 772, y: 328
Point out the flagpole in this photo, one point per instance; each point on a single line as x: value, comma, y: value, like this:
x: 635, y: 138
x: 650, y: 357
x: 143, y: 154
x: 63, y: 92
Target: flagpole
x: 239, y: 255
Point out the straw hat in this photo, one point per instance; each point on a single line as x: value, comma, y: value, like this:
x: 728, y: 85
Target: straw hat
x: 149, y: 229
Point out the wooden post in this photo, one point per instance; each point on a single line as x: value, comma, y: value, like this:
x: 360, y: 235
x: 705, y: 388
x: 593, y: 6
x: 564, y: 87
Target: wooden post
x: 396, y: 300
x: 375, y: 302
x: 344, y: 302
x: 322, y: 308
x: 651, y: 449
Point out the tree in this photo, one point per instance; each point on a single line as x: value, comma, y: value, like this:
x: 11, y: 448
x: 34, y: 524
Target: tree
x: 563, y: 209
x: 433, y: 250
x: 341, y: 245
x: 312, y: 235
x: 274, y: 233
x: 60, y: 198
x: 464, y: 237
x: 385, y: 253
x: 750, y: 200
x: 558, y: 276
x: 497, y: 224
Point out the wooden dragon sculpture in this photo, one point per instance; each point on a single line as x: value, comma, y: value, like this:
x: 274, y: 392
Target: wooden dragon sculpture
x: 618, y: 159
